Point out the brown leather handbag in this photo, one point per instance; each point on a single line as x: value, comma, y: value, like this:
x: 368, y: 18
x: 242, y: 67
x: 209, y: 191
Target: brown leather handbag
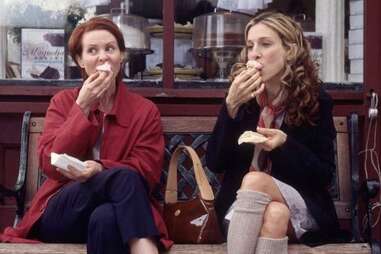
x: 195, y: 220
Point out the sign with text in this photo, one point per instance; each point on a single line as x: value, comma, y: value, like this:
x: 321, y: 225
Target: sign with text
x: 42, y: 53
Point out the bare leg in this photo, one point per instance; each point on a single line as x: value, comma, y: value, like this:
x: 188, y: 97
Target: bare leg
x: 143, y: 246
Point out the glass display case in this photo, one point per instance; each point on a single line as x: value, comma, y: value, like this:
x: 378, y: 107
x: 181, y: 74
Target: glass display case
x: 170, y: 44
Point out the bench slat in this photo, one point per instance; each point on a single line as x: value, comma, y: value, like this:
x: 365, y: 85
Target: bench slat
x: 181, y: 124
x: 340, y: 123
x: 348, y: 248
x: 188, y: 124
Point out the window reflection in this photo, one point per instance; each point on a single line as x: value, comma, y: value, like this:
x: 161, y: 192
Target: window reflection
x: 334, y: 28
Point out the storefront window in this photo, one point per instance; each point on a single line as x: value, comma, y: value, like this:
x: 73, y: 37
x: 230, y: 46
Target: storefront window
x: 206, y: 40
x: 34, y: 35
x: 332, y: 27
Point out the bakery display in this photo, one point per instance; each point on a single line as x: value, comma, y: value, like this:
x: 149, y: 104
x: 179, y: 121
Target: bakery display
x: 181, y: 31
x: 219, y: 36
x: 181, y: 72
x: 219, y: 29
x: 134, y: 29
x: 47, y: 73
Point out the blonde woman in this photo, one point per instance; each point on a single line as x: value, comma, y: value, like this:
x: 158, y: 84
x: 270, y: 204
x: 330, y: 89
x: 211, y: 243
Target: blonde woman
x: 276, y: 189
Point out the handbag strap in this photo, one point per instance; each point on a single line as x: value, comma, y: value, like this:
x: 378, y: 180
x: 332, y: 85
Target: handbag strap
x: 201, y: 179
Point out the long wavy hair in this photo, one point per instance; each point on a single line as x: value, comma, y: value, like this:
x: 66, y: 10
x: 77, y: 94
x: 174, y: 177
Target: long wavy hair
x: 300, y: 77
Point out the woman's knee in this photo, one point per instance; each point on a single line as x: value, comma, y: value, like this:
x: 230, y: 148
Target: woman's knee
x: 275, y: 220
x: 130, y: 177
x: 102, y: 218
x: 257, y: 181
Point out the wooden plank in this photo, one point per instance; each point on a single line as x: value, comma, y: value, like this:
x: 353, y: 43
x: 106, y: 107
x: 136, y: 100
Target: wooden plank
x: 38, y: 88
x: 32, y: 173
x: 180, y: 124
x: 348, y: 248
x: 36, y: 124
x: 340, y: 123
x: 11, y: 107
x: 358, y: 248
x: 206, y: 124
x: 14, y: 248
x: 343, y: 209
x: 343, y: 167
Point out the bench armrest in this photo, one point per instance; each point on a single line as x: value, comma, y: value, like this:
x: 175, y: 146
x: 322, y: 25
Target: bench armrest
x: 368, y: 189
x: 18, y: 191
x: 353, y: 129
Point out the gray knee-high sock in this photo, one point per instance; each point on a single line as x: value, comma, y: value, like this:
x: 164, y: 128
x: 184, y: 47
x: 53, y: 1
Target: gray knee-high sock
x: 246, y: 221
x: 272, y: 246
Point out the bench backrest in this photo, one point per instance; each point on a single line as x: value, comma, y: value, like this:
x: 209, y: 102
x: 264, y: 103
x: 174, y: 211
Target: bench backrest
x: 194, y: 131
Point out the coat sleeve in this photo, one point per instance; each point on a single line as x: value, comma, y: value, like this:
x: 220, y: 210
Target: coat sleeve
x: 309, y: 165
x: 223, y: 142
x: 147, y: 154
x: 66, y: 130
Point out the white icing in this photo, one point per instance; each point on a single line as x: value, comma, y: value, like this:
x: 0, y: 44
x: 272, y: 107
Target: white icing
x: 104, y: 67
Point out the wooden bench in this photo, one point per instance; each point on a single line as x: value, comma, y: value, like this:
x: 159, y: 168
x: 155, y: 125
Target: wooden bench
x: 195, y: 131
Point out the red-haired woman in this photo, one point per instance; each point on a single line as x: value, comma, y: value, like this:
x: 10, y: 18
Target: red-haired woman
x: 118, y: 134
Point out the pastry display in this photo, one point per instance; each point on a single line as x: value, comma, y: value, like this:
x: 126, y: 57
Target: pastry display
x: 181, y: 31
x: 133, y: 37
x: 47, y: 73
x: 134, y: 29
x: 55, y: 39
x: 219, y: 29
x: 220, y: 37
x: 186, y: 73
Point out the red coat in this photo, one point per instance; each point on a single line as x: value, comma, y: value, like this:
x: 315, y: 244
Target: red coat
x: 132, y: 138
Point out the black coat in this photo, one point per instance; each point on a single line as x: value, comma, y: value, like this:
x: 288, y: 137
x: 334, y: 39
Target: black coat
x: 305, y: 161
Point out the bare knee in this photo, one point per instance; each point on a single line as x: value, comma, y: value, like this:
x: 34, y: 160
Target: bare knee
x: 257, y: 181
x: 275, y: 220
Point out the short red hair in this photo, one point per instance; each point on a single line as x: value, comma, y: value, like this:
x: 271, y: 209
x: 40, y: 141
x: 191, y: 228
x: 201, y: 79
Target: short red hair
x: 96, y: 23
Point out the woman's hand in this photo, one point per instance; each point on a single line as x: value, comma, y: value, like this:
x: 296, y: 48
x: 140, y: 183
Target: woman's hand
x: 93, y: 88
x: 244, y: 87
x: 92, y: 168
x: 276, y: 138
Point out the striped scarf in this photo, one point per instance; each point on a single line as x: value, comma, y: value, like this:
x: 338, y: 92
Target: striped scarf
x: 271, y: 116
